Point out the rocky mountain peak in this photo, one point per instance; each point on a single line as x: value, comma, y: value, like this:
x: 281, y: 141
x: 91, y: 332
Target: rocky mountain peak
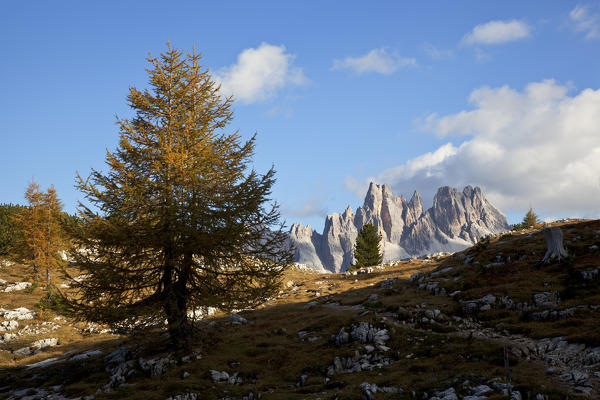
x: 348, y: 213
x: 415, y: 200
x: 301, y: 230
x: 455, y: 221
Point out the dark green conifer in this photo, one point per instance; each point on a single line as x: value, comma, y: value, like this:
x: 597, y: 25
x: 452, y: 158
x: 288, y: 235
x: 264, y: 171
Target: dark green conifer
x: 367, y: 250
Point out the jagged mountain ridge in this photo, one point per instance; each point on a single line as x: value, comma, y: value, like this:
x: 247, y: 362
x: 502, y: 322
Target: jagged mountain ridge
x: 455, y: 221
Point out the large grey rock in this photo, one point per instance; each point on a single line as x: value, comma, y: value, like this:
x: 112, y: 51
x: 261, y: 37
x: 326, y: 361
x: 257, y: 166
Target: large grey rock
x: 455, y: 221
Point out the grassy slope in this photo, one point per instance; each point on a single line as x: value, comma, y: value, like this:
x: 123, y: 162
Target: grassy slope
x: 272, y: 357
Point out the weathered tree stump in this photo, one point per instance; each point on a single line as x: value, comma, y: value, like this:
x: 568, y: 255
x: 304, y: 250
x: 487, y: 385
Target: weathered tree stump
x: 554, y: 241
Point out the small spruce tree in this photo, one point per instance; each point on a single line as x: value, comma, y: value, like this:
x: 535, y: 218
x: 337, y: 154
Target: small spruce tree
x: 179, y: 221
x: 367, y: 250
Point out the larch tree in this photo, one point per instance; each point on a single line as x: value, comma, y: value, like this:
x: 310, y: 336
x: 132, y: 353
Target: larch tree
x: 180, y: 220
x: 41, y: 234
x: 367, y: 250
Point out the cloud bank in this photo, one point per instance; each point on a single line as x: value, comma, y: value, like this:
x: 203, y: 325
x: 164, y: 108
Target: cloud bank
x: 260, y: 73
x: 538, y: 147
x: 497, y: 32
x: 377, y: 60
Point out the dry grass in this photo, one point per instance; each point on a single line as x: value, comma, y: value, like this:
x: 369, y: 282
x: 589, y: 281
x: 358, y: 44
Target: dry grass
x: 272, y: 357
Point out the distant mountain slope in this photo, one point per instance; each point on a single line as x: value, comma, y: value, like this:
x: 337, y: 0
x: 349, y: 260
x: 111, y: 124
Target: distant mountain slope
x: 455, y: 221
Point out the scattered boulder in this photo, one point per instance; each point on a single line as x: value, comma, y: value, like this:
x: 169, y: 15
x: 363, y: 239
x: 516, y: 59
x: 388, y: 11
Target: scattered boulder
x: 481, y: 390
x: 23, y: 351
x: 590, y: 275
x: 219, y: 376
x: 8, y: 325
x: 156, y: 366
x: 302, y: 334
x: 368, y: 389
x: 546, y: 299
x: 358, y: 362
x: 554, y: 315
x: 187, y: 396
x: 18, y: 313
x: 120, y: 365
x: 448, y: 394
x: 43, y: 343
x: 86, y: 355
x: 342, y: 337
x: 45, y: 363
x: 388, y: 283
x: 373, y: 297
x: 301, y: 381
x: 237, y: 319
x: 441, y: 271
x: 7, y: 337
x: 195, y: 355
x: 17, y: 286
x: 487, y: 302
x: 223, y: 376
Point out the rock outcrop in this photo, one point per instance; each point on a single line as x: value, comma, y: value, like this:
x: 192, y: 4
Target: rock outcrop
x: 455, y: 221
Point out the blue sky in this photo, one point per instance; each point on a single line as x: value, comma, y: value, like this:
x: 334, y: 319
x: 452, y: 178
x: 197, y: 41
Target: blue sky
x: 503, y: 95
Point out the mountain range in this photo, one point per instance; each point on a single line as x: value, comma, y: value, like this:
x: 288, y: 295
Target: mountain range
x: 455, y: 221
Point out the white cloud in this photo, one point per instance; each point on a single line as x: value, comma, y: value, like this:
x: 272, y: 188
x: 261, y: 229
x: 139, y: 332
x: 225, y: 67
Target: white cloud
x: 377, y: 60
x: 497, y: 32
x: 260, y: 73
x: 585, y: 21
x: 538, y: 147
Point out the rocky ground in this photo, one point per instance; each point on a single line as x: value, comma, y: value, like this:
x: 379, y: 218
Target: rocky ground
x: 486, y: 323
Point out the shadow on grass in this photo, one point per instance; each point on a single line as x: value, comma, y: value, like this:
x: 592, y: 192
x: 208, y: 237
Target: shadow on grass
x: 292, y: 337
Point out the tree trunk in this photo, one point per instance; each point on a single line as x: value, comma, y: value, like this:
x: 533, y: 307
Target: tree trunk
x: 175, y: 307
x: 554, y: 241
x: 178, y: 326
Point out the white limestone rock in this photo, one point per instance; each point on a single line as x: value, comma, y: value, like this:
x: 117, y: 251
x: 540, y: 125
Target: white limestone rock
x: 17, y: 286
x: 23, y: 351
x: 18, y: 313
x: 8, y: 325
x: 43, y: 343
x: 219, y: 376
